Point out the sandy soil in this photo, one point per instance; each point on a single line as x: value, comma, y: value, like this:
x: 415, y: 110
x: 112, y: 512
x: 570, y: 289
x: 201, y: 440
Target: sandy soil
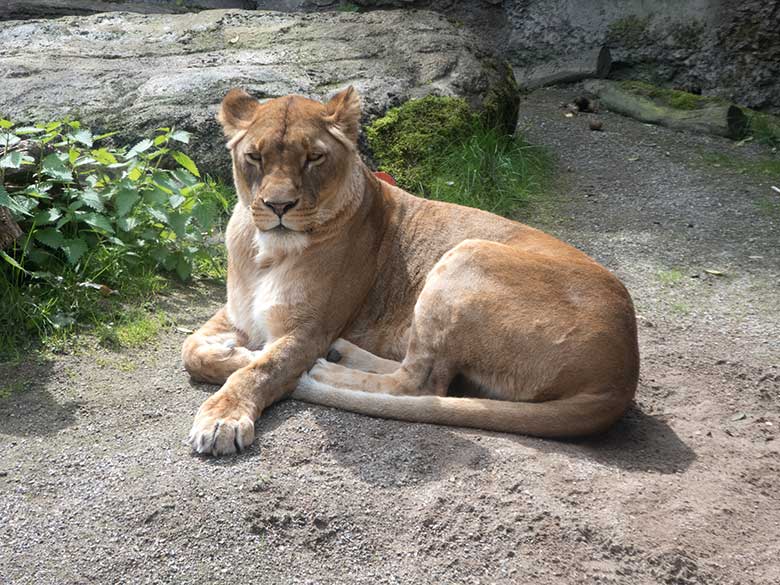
x: 98, y: 487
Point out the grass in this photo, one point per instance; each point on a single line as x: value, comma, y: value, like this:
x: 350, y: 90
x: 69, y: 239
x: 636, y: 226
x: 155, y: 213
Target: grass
x: 765, y: 166
x: 680, y: 308
x: 43, y: 310
x: 8, y: 390
x: 133, y: 329
x: 491, y: 171
x: 436, y: 147
x: 670, y: 276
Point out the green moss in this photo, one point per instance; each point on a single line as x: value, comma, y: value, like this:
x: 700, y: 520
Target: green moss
x: 436, y: 147
x: 673, y: 98
x: 629, y: 31
x: 688, y: 35
x: 348, y: 7
x: 501, y: 104
x: 408, y: 139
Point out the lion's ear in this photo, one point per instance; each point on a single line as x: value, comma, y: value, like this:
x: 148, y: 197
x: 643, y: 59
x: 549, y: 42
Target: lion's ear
x: 237, y: 111
x: 343, y: 113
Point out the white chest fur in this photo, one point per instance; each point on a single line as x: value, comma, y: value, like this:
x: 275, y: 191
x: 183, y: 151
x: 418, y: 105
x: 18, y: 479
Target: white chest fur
x: 261, y: 292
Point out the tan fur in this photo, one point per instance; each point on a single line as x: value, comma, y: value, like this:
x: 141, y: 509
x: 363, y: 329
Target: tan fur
x: 436, y: 313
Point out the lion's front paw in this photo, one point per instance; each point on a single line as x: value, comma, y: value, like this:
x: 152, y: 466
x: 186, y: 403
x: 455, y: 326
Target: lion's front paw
x: 220, y: 428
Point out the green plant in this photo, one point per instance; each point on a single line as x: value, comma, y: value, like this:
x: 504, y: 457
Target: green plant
x: 629, y: 31
x: 121, y: 205
x: 670, y: 277
x: 437, y: 147
x: 348, y: 7
x: 99, y: 224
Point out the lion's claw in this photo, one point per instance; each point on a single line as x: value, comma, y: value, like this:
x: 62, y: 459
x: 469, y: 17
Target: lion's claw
x: 221, y: 436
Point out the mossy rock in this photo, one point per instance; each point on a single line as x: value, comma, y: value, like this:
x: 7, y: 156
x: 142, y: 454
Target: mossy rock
x: 407, y: 138
x: 673, y: 98
x: 501, y: 103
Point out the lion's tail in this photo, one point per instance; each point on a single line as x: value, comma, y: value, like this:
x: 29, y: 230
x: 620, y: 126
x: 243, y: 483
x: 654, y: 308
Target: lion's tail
x: 579, y: 415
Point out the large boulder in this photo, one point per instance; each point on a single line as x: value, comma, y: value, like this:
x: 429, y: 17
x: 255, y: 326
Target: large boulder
x: 136, y: 72
x: 22, y: 9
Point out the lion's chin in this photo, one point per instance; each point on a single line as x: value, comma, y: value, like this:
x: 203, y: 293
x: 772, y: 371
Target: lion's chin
x: 281, y: 240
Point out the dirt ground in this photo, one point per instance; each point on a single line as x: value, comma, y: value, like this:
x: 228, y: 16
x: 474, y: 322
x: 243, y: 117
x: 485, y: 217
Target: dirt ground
x: 97, y: 485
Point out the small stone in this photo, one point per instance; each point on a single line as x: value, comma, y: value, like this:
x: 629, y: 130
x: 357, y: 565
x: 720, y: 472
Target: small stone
x: 596, y: 125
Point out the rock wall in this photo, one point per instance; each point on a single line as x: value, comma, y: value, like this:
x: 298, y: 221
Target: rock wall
x: 135, y: 72
x: 715, y: 47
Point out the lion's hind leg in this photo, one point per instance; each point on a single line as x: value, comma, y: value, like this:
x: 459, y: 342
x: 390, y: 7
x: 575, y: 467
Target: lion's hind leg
x: 351, y: 356
x: 216, y: 350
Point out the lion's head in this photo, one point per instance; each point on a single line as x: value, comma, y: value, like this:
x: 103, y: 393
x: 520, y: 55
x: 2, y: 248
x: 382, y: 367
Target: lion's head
x: 293, y: 158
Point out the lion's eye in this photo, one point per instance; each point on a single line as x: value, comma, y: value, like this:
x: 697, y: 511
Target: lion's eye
x: 315, y: 157
x: 255, y: 157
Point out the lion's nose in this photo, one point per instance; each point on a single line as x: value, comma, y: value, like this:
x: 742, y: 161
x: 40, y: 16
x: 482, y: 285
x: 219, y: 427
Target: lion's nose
x: 281, y: 207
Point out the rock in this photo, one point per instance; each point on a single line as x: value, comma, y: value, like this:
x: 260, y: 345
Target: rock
x: 22, y: 9
x: 134, y: 73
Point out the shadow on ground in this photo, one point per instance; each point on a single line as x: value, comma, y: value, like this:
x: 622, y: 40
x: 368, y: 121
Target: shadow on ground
x: 27, y: 408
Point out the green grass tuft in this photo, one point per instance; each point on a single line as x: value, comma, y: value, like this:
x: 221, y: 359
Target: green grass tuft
x: 670, y: 277
x: 134, y: 329
x: 436, y: 147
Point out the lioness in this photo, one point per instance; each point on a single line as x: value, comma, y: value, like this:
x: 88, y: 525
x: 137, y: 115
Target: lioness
x: 434, y: 312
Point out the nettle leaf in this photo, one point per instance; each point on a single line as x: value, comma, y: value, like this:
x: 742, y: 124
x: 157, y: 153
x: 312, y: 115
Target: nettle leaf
x: 205, y: 213
x: 178, y: 223
x: 7, y: 201
x: 47, y: 216
x: 92, y: 199
x: 7, y: 139
x: 124, y: 200
x: 50, y: 237
x: 24, y: 205
x: 135, y: 173
x: 5, y: 124
x: 155, y: 196
x: 74, y: 249
x: 73, y: 155
x: 184, y: 177
x: 175, y: 200
x: 127, y: 224
x: 12, y: 160
x: 99, y: 221
x: 181, y: 136
x: 142, y: 146
x: 28, y: 130
x: 103, y: 156
x: 84, y: 136
x: 185, y: 162
x: 158, y: 215
x: 53, y: 167
x: 183, y: 268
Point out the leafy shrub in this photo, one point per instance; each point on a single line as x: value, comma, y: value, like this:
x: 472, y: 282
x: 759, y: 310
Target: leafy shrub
x: 98, y: 220
x: 438, y: 148
x: 85, y: 200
